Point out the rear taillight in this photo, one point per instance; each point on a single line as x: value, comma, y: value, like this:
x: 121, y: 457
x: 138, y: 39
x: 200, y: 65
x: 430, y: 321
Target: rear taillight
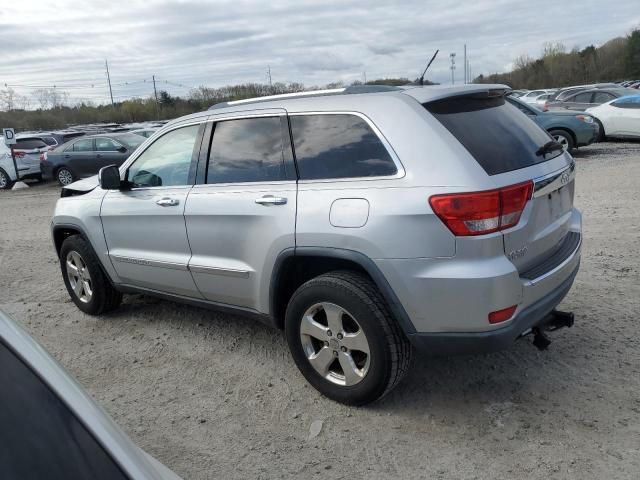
x: 479, y: 213
x: 42, y: 157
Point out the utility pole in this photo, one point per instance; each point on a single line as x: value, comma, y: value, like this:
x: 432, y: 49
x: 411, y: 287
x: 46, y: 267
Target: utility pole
x: 109, y: 81
x: 364, y: 75
x: 466, y: 76
x: 452, y: 56
x: 269, y: 76
x: 155, y: 93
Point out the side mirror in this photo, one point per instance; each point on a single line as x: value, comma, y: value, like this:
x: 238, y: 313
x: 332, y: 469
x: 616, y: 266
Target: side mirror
x: 109, y: 177
x: 122, y: 149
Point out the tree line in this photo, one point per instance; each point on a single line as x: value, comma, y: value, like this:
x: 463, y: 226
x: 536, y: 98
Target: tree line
x: 54, y: 113
x: 618, y: 59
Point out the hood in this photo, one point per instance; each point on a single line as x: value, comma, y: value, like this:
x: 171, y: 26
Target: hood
x: 80, y: 187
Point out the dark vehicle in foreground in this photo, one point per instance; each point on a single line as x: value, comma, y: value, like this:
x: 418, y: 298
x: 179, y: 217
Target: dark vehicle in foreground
x: 570, y: 129
x: 51, y: 428
x: 83, y: 157
x: 589, y: 98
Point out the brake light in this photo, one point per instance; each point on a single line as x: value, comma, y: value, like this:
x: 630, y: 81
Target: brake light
x: 480, y: 213
x: 42, y: 157
x: 20, y: 154
x: 503, y: 315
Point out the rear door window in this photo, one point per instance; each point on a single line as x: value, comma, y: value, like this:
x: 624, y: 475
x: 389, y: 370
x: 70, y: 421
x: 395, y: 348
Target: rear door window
x: 338, y: 146
x: 84, y: 145
x: 247, y: 150
x: 494, y: 132
x: 104, y: 144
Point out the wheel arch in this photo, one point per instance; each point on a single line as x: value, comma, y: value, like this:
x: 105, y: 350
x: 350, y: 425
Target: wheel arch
x: 294, y: 266
x: 62, y: 231
x: 566, y: 130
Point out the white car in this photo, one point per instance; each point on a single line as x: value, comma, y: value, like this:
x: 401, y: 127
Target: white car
x: 618, y: 118
x: 530, y: 97
x: 28, y: 166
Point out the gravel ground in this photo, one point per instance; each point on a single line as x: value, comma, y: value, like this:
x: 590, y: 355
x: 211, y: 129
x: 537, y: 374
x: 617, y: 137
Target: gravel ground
x: 217, y: 396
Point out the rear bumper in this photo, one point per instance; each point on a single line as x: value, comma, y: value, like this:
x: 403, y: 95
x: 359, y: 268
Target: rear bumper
x: 444, y: 343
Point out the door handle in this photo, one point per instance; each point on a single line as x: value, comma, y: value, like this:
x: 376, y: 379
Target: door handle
x: 271, y: 200
x: 168, y: 202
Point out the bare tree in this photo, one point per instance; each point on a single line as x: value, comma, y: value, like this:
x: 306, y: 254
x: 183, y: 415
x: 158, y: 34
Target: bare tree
x: 8, y: 98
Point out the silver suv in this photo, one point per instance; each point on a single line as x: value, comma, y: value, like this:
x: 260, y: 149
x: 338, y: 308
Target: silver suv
x: 363, y: 221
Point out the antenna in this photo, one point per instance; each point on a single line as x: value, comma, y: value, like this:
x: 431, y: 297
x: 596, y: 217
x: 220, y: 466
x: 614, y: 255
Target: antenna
x: 421, y: 79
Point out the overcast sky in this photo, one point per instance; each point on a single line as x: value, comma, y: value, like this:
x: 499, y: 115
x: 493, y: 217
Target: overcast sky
x: 214, y: 43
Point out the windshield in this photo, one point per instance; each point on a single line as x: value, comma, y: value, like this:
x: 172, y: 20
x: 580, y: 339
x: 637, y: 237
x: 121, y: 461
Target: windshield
x: 495, y: 133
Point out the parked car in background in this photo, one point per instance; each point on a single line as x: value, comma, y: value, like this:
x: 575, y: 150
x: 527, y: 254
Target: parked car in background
x: 565, y: 92
x: 541, y: 101
x: 83, y: 157
x: 28, y: 167
x: 28, y: 160
x: 589, y: 98
x: 518, y: 93
x: 619, y: 118
x: 530, y: 97
x: 145, y: 132
x: 570, y: 129
x: 51, y: 428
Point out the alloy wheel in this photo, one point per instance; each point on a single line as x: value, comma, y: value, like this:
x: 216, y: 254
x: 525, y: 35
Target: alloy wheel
x: 562, y: 140
x: 79, y: 277
x: 334, y: 343
x: 65, y: 177
x: 4, y: 181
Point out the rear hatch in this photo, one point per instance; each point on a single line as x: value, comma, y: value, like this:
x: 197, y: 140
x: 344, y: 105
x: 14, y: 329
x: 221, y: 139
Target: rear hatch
x: 511, y: 147
x: 27, y: 151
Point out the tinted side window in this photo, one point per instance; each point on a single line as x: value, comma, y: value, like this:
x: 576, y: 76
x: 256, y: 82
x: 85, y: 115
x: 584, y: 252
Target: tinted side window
x: 107, y: 145
x: 338, y: 146
x: 85, y: 145
x: 494, y: 132
x: 627, y: 102
x: 602, y: 97
x: 40, y: 436
x: 167, y: 161
x: 246, y: 150
x: 581, y: 98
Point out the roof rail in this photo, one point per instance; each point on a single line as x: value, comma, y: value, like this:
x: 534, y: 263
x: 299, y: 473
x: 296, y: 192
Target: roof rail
x: 312, y: 93
x: 354, y: 89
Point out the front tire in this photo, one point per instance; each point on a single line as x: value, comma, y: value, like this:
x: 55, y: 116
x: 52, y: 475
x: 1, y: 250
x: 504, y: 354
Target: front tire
x: 564, y: 138
x: 344, y: 340
x: 88, y: 286
x: 5, y: 181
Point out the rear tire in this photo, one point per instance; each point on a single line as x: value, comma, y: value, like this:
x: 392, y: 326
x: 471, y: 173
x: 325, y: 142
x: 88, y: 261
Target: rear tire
x: 5, y: 181
x: 340, y: 322
x: 64, y: 176
x: 564, y: 138
x: 87, y: 284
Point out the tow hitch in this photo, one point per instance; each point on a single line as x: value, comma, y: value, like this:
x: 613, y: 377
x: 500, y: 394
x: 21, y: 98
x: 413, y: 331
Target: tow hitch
x: 552, y: 322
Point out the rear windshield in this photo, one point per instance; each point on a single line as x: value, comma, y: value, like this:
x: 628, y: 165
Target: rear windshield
x: 496, y: 134
x: 29, y: 143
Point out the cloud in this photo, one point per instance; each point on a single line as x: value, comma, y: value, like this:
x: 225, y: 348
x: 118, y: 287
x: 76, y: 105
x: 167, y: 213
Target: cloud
x: 192, y: 42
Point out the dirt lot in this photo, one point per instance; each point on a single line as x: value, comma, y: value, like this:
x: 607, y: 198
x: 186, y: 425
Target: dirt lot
x: 216, y: 396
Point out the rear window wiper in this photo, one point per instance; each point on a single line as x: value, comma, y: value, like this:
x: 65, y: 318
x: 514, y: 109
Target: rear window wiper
x: 549, y: 147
